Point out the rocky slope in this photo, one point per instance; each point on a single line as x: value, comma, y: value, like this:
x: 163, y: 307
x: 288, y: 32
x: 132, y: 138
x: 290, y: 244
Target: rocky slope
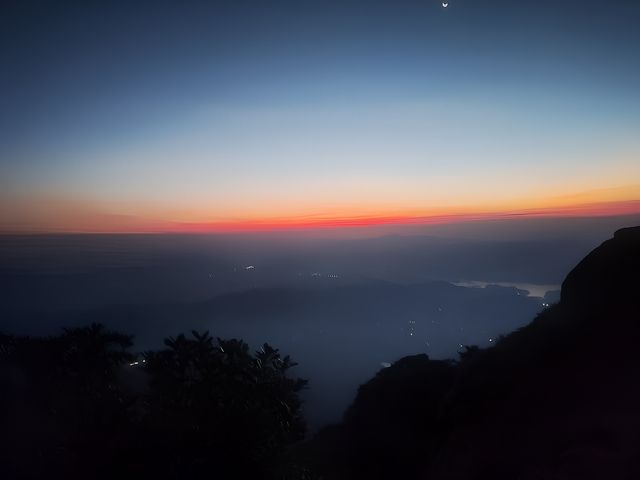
x: 559, y: 398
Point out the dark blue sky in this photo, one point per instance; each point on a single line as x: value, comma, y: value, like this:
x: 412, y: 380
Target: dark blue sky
x: 267, y: 85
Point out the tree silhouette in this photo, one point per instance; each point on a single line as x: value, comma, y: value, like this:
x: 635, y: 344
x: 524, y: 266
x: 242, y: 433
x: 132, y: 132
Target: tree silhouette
x: 213, y: 405
x: 62, y: 399
x: 199, y: 407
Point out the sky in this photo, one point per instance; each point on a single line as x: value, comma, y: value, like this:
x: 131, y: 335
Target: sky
x: 222, y: 116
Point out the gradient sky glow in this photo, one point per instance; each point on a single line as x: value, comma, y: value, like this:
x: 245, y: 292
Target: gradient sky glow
x: 152, y: 116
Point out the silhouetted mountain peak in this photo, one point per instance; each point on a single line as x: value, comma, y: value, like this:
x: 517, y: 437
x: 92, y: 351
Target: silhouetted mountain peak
x: 629, y: 232
x: 607, y: 277
x: 555, y: 399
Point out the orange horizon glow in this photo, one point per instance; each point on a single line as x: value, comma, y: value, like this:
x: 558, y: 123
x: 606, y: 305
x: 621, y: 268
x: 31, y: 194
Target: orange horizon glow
x: 122, y: 224
x: 586, y: 210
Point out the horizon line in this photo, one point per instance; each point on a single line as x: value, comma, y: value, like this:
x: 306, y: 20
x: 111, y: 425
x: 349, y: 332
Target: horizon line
x: 587, y: 210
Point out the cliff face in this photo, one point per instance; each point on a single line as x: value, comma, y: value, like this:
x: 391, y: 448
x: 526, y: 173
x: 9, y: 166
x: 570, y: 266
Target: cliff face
x: 559, y: 398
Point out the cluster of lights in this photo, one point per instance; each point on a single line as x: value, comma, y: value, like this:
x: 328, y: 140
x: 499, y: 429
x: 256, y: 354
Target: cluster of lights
x: 412, y: 326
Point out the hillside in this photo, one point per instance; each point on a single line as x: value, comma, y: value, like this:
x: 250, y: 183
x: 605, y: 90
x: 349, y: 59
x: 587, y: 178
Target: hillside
x: 338, y: 335
x: 556, y: 399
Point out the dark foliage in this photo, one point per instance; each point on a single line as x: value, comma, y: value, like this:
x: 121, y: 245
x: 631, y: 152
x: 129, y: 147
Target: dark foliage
x: 59, y: 396
x: 407, y: 412
x: 77, y: 405
x: 214, y: 407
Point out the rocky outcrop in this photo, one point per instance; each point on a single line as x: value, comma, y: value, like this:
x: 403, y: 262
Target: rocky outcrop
x: 557, y: 399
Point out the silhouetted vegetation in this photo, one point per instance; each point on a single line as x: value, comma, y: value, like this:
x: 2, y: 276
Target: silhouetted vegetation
x: 79, y: 405
x: 214, y: 407
x: 395, y: 419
